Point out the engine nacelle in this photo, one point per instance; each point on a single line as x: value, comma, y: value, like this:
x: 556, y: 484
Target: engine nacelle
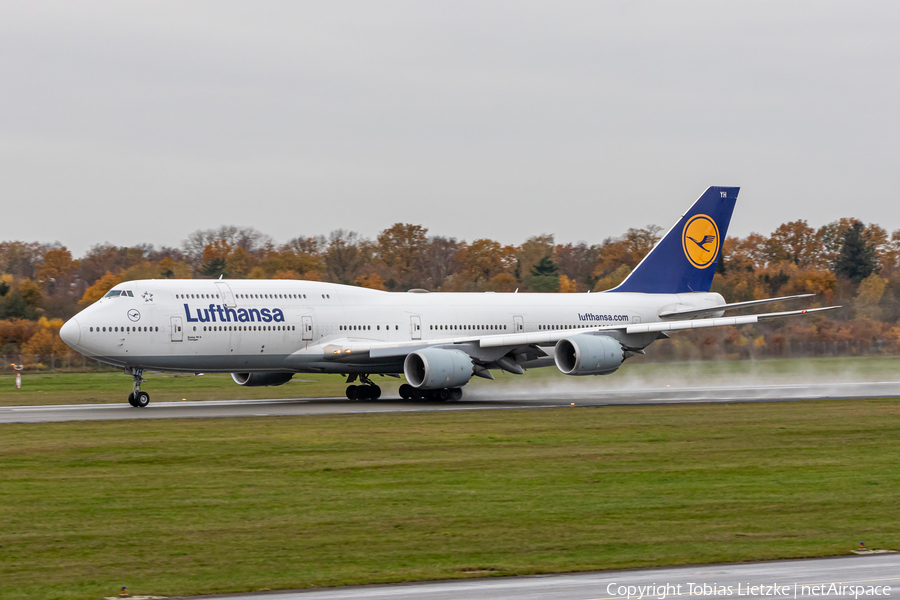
x: 586, y: 354
x: 436, y: 368
x: 261, y: 379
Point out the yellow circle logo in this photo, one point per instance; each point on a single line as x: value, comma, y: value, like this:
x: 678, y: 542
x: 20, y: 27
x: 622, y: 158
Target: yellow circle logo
x: 700, y: 240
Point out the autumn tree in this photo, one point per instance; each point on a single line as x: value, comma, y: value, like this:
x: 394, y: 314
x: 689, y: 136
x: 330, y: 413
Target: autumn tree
x: 612, y: 279
x: 21, y: 258
x: 484, y: 259
x: 871, y: 289
x: 289, y: 259
x: 440, y: 260
x: 401, y: 248
x: 795, y: 242
x: 345, y: 256
x: 99, y: 289
x: 576, y: 262
x: 238, y: 263
x: 530, y: 253
x: 372, y: 281
x: 566, y: 285
x: 247, y: 238
x: 45, y: 340
x: 57, y: 264
x: 626, y: 251
x: 215, y: 255
x: 169, y: 269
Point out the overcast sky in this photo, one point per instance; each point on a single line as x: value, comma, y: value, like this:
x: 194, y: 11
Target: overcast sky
x: 133, y: 122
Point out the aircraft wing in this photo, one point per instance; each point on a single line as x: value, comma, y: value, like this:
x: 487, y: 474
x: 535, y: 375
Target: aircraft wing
x: 350, y: 349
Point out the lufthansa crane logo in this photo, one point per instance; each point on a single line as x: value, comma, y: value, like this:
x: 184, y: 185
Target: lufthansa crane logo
x: 700, y: 240
x: 134, y: 314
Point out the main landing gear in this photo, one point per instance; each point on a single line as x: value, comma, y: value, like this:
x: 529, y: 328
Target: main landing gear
x: 137, y: 398
x: 408, y: 392
x: 368, y: 391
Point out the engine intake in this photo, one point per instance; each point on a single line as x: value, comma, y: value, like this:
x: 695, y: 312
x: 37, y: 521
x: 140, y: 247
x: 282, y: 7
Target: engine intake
x: 586, y: 354
x: 437, y: 368
x: 261, y: 379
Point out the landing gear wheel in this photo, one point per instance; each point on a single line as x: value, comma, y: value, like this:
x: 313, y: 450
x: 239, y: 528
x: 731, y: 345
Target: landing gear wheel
x: 443, y: 394
x: 374, y: 392
x: 137, y: 398
x: 352, y: 391
x: 406, y: 391
x: 141, y: 399
x: 456, y: 394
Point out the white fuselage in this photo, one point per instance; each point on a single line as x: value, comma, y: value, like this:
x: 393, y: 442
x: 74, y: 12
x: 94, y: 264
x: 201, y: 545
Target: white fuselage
x: 289, y: 325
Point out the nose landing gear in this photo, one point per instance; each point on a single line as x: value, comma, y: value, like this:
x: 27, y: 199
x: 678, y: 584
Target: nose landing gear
x: 137, y: 398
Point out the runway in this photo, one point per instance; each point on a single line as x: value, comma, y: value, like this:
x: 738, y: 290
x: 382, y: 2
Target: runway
x: 482, y: 399
x: 877, y: 575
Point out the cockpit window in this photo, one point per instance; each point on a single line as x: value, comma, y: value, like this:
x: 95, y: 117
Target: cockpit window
x: 130, y: 294
x: 113, y: 293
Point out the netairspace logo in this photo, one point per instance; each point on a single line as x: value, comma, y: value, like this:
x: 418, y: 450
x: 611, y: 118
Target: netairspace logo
x: 234, y: 315
x: 795, y: 590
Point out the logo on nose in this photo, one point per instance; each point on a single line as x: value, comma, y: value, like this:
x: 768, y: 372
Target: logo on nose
x: 134, y: 314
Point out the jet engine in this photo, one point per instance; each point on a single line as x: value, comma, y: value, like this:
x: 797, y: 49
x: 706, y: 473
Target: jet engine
x: 261, y: 379
x: 437, y: 368
x: 586, y: 354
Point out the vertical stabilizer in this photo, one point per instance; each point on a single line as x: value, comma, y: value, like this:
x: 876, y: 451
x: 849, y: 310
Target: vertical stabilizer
x: 685, y: 259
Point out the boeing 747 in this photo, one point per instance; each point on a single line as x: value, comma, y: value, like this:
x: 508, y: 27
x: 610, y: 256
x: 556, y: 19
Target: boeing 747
x: 265, y: 331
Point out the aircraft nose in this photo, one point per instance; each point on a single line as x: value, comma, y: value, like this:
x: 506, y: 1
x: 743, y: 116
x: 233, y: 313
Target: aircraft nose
x: 70, y: 333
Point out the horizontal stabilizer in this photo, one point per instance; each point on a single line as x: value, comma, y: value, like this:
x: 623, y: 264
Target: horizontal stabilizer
x: 699, y: 312
x: 720, y: 322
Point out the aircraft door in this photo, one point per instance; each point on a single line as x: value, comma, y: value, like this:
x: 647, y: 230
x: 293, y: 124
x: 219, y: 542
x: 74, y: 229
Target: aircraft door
x: 415, y: 327
x: 225, y: 293
x: 177, y: 329
x: 306, y: 323
x: 519, y: 323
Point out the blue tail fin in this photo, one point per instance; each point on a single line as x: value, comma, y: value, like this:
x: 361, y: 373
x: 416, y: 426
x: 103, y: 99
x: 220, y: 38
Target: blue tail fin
x: 685, y: 259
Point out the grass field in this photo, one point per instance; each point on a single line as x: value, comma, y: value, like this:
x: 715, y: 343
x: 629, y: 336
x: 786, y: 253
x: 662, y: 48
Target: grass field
x: 213, y: 505
x: 76, y: 388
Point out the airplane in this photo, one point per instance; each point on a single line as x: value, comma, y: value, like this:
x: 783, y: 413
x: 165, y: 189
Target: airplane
x: 265, y: 331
